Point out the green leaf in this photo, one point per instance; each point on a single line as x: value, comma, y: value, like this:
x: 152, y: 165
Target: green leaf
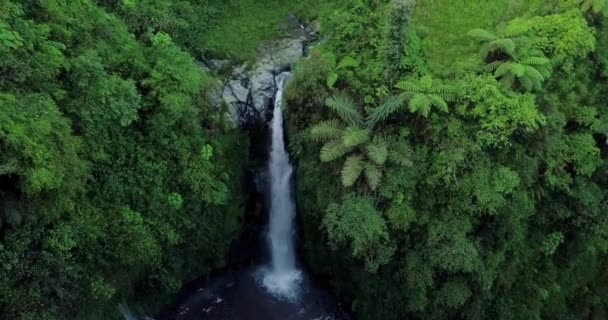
x: 438, y: 102
x: 421, y: 104
x: 345, y: 107
x: 334, y: 150
x: 355, y: 136
x: 506, y: 45
x: 481, y: 35
x: 377, y: 152
x: 408, y: 86
x: 348, y: 62
x: 373, y: 175
x: 353, y: 166
x: 331, y: 79
x: 326, y: 130
x: 380, y: 114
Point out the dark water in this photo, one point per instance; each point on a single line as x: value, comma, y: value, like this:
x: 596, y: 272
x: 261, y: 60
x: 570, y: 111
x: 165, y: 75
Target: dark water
x: 241, y: 296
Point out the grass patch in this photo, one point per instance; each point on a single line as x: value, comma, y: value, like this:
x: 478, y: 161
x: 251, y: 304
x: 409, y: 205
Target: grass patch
x: 443, y: 25
x: 241, y: 25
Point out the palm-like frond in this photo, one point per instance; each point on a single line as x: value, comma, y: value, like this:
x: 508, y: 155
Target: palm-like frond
x: 326, y: 130
x: 344, y: 106
x: 536, y: 61
x: 334, y: 150
x: 438, y: 102
x: 409, y: 86
x: 348, y: 62
x: 353, y: 166
x: 401, y: 154
x: 506, y: 45
x: 420, y: 103
x: 380, y: 114
x: 354, y: 136
x: 527, y: 83
x: 426, y: 82
x: 377, y: 152
x: 481, y: 35
x: 492, y: 66
x: 533, y: 74
x: 373, y: 175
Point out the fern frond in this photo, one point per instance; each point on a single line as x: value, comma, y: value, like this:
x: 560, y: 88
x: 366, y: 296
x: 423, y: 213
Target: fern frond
x: 442, y: 89
x: 353, y: 166
x: 485, y: 49
x: 420, y: 103
x: 401, y: 154
x: 506, y: 45
x: 536, y: 61
x: 373, y: 175
x: 507, y: 80
x: 377, y: 152
x: 534, y: 74
x: 334, y: 150
x: 438, y: 102
x: 518, y: 70
x: 492, y: 66
x: 380, y: 114
x: 426, y: 82
x: 355, y: 136
x: 344, y: 106
x: 408, y: 86
x: 503, y: 69
x: 326, y: 130
x: 516, y: 28
x: 348, y: 62
x: 481, y: 35
x: 527, y: 83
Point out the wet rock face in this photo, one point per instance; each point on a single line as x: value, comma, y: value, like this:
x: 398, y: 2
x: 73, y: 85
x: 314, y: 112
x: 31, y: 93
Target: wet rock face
x: 249, y: 89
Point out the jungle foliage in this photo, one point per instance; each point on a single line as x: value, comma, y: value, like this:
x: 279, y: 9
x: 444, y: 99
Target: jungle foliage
x: 452, y: 154
x: 495, y: 112
x: 118, y: 181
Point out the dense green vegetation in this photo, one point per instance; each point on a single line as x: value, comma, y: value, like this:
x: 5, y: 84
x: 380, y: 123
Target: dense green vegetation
x: 116, y: 177
x: 496, y: 114
x: 452, y: 155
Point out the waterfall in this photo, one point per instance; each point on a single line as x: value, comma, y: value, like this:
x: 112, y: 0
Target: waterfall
x: 282, y: 278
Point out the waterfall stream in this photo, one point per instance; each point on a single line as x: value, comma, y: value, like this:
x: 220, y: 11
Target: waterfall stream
x: 260, y: 290
x: 282, y: 277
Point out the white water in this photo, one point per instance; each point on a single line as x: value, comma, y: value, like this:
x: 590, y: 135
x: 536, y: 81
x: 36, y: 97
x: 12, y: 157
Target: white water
x: 282, y: 278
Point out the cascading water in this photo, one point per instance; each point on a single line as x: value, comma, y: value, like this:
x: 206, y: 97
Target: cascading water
x: 277, y: 291
x: 282, y: 277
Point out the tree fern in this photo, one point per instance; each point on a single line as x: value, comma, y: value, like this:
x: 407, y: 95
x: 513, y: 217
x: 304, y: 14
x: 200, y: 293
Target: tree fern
x: 518, y: 63
x: 347, y: 136
x: 344, y: 106
x: 353, y: 166
x: 421, y: 95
